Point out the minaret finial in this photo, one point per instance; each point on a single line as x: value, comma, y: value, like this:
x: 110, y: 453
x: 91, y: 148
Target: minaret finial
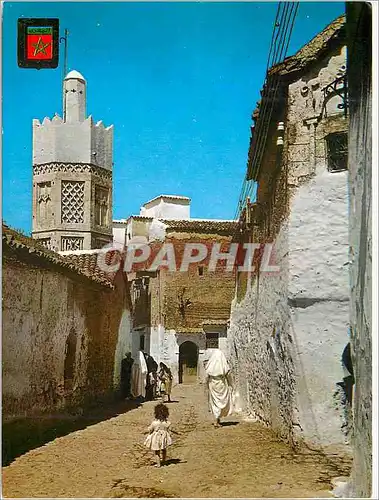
x: 74, y: 97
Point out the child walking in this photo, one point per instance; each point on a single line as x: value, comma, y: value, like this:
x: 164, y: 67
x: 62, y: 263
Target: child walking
x: 159, y: 437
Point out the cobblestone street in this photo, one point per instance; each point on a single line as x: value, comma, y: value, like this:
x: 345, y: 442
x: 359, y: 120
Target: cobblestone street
x: 240, y: 459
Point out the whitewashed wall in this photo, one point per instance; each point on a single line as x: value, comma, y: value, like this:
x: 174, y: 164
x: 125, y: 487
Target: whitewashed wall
x: 119, y: 233
x: 167, y: 209
x: 287, y: 335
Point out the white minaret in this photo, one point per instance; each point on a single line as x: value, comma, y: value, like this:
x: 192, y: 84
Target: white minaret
x: 74, y: 98
x: 72, y: 175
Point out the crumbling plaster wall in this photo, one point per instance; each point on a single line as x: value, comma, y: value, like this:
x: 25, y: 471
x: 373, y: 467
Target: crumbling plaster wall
x: 41, y: 307
x: 288, y: 333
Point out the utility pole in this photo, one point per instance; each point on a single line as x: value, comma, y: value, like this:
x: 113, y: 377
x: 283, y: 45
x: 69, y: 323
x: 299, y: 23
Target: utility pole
x: 64, y: 39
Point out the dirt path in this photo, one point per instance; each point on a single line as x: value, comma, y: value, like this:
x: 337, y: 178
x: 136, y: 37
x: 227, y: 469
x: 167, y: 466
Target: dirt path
x: 240, y: 459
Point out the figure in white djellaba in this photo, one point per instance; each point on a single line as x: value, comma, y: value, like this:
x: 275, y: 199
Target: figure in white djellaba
x: 219, y: 384
x: 139, y: 376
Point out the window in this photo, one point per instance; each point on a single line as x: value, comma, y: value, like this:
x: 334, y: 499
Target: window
x: 71, y: 243
x: 201, y: 270
x: 72, y: 202
x: 211, y: 341
x: 101, y: 206
x: 142, y: 343
x: 337, y: 151
x: 44, y: 203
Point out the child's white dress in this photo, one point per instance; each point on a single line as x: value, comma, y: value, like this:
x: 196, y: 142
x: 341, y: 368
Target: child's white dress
x: 159, y: 437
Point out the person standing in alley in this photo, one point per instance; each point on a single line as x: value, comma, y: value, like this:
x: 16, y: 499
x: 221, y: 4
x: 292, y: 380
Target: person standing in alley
x: 219, y: 386
x: 165, y: 381
x: 152, y: 367
x: 126, y: 375
x: 139, y: 375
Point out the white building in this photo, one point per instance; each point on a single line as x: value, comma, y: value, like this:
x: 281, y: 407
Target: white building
x: 289, y: 328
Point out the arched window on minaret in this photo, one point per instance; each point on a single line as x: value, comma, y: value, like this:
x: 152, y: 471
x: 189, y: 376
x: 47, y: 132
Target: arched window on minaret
x: 44, y: 202
x: 101, y: 206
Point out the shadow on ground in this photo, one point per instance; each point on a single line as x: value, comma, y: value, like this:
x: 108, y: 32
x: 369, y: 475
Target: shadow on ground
x: 173, y: 461
x: 22, y: 435
x: 227, y: 424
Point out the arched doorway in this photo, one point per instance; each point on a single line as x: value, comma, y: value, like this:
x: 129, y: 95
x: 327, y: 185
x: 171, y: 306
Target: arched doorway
x: 188, y: 359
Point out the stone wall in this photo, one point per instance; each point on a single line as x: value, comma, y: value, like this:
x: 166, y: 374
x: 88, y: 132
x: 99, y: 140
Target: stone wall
x: 63, y: 339
x: 360, y: 151
x: 261, y: 347
x: 181, y: 301
x: 65, y: 204
x: 288, y: 332
x: 193, y: 297
x: 190, y: 297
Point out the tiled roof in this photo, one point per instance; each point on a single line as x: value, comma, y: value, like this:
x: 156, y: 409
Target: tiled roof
x: 183, y: 329
x: 139, y: 217
x: 202, y: 226
x: 199, y: 225
x: 168, y: 197
x: 88, y: 264
x: 30, y: 249
x: 313, y: 50
x: 219, y: 322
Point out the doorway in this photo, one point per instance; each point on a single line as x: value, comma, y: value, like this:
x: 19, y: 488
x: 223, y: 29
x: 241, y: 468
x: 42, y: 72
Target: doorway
x: 188, y: 360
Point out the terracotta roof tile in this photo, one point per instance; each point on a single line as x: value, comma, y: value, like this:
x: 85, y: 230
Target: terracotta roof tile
x: 26, y: 248
x: 167, y: 197
x: 202, y: 225
x: 183, y: 329
x: 220, y: 322
x: 88, y: 264
x: 139, y: 217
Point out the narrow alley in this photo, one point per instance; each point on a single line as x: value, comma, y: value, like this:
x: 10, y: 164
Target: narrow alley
x: 240, y: 459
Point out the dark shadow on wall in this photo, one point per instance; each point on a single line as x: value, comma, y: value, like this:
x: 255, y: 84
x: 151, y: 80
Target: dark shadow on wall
x: 22, y: 435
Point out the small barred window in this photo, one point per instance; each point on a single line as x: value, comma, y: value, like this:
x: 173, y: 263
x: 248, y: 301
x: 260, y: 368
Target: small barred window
x: 337, y: 151
x: 211, y: 341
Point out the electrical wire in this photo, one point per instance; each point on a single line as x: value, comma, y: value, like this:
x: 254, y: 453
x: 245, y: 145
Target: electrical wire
x: 284, y: 42
x: 263, y: 109
x: 281, y: 35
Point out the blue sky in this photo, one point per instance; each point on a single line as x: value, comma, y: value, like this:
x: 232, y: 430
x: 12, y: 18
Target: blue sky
x: 179, y: 81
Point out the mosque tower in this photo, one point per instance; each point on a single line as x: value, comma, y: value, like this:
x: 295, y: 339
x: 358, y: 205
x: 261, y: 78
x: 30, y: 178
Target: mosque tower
x: 72, y: 175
